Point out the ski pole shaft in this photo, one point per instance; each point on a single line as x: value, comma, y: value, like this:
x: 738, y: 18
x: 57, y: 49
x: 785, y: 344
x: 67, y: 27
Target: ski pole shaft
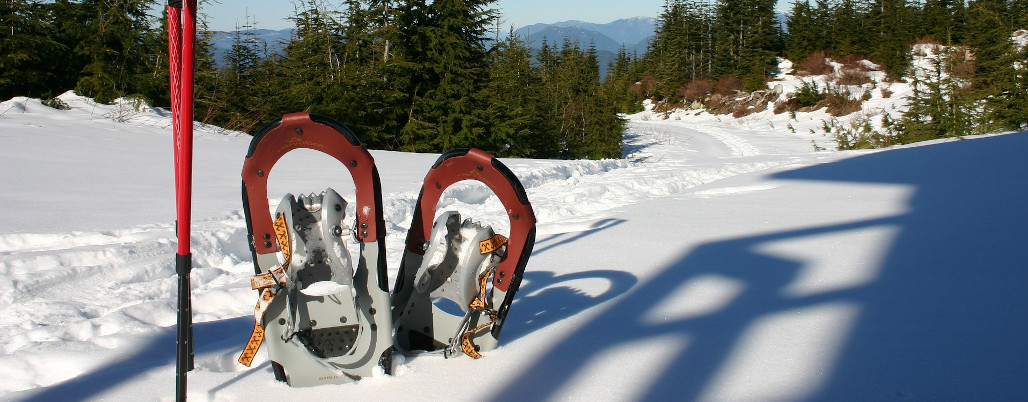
x: 181, y: 38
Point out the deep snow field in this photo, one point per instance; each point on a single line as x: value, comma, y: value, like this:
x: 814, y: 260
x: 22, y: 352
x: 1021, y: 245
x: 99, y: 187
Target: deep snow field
x: 720, y: 259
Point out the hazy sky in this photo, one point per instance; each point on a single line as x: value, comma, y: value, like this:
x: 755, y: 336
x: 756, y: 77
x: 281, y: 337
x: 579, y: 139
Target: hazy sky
x: 224, y: 15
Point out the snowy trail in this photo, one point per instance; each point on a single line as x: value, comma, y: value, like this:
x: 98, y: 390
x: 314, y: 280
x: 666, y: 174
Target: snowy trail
x: 729, y: 250
x: 85, y: 288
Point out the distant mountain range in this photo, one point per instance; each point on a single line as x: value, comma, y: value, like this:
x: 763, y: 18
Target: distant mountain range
x: 632, y: 33
x: 275, y: 40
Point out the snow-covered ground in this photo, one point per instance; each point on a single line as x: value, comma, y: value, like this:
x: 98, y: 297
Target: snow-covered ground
x: 721, y: 259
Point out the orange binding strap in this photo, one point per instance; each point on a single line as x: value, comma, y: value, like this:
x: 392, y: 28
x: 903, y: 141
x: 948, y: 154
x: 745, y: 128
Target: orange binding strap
x: 268, y: 284
x: 490, y: 245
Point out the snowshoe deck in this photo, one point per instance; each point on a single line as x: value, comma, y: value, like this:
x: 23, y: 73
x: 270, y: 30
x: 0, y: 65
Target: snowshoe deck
x: 324, y: 320
x: 449, y: 262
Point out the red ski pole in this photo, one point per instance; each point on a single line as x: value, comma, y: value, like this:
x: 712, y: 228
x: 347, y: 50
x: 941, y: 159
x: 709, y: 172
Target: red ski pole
x: 181, y: 38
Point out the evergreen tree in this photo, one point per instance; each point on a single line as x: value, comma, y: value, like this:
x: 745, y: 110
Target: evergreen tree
x: 943, y: 20
x: 1000, y: 76
x: 941, y: 105
x: 29, y: 54
x: 747, y: 41
x: 849, y: 31
x: 119, y: 44
x: 670, y: 47
x: 621, y: 76
x: 240, y: 81
x: 892, y: 22
x: 312, y: 60
x: 446, y: 39
x: 804, y: 33
x: 512, y: 95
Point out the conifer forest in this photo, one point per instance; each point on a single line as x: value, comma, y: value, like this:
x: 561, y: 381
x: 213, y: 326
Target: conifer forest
x: 432, y: 75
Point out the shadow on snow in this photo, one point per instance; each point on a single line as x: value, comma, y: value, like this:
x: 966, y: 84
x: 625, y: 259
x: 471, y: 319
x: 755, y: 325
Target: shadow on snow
x: 210, y: 338
x: 944, y: 318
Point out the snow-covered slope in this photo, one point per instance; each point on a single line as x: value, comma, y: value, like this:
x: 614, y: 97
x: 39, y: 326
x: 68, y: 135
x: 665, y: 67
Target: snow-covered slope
x: 717, y: 260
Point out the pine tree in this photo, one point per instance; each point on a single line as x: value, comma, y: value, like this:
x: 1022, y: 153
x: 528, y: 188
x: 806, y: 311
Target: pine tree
x: 119, y: 44
x: 892, y: 22
x: 848, y: 30
x: 669, y: 49
x: 943, y: 20
x: 312, y: 58
x: 446, y: 38
x: 1000, y: 76
x: 29, y: 53
x: 512, y: 96
x: 239, y: 83
x: 941, y: 105
x: 804, y: 32
x: 747, y: 41
x: 621, y: 75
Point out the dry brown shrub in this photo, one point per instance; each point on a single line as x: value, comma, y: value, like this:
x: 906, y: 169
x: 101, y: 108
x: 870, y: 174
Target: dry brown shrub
x: 728, y: 86
x: 696, y: 90
x: 853, y: 72
x: 747, y: 108
x: 644, y: 87
x: 816, y: 63
x: 852, y: 77
x: 838, y: 103
x: 786, y: 105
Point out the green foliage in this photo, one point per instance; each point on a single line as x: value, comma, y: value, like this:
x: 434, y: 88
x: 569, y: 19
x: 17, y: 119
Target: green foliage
x: 29, y: 52
x: 117, y: 42
x: 942, y: 104
x: 859, y: 134
x: 420, y: 76
x: 809, y: 94
x: 997, y: 79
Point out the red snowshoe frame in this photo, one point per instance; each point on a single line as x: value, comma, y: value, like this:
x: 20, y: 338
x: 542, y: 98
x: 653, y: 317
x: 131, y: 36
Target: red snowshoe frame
x: 452, y: 167
x: 290, y: 357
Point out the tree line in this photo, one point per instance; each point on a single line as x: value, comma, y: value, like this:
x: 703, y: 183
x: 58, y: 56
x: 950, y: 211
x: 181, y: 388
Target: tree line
x: 411, y: 75
x: 426, y: 76
x: 704, y: 46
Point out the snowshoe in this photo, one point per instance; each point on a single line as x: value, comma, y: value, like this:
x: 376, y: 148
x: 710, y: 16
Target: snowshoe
x: 324, y: 320
x: 442, y: 298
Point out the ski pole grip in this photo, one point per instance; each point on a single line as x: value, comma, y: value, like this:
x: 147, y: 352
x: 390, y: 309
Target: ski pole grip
x: 474, y: 164
x: 319, y: 133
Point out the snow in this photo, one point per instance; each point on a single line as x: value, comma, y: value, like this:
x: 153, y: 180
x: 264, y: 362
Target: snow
x: 720, y: 259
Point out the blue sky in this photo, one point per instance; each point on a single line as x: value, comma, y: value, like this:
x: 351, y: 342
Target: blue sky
x: 271, y: 14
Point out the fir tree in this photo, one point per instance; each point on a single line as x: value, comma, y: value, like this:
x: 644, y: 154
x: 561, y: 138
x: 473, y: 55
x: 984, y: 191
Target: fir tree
x: 941, y: 105
x: 893, y: 34
x: 119, y: 44
x: 804, y: 32
x: 621, y: 76
x: 1000, y: 76
x: 29, y: 54
x: 747, y: 41
x: 512, y: 95
x: 446, y: 39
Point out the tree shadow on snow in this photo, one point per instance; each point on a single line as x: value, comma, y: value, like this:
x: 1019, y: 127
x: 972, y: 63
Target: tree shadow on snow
x: 545, y: 297
x: 559, y: 239
x: 210, y: 338
x: 943, y: 319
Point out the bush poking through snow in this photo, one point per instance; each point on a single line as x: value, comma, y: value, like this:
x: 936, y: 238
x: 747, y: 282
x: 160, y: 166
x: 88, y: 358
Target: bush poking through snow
x: 815, y: 64
x: 859, y: 134
x: 56, y: 103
